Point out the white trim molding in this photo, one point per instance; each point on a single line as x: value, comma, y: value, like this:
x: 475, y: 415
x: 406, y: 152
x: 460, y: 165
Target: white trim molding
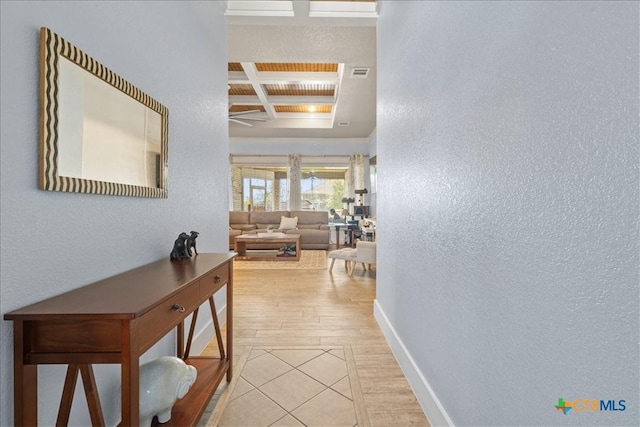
x: 427, y: 398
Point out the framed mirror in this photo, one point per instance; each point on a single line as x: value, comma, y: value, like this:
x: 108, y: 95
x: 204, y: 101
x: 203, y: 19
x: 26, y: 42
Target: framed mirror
x: 98, y: 133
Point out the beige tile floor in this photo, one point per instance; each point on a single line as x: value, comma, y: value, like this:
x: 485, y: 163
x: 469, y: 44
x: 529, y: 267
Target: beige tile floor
x: 278, y: 311
x: 287, y: 386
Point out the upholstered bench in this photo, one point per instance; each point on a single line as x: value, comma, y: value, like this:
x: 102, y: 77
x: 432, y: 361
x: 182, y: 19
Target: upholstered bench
x: 364, y: 253
x: 345, y: 254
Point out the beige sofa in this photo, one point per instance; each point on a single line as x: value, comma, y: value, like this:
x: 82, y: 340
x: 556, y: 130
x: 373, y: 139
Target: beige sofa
x: 313, y: 227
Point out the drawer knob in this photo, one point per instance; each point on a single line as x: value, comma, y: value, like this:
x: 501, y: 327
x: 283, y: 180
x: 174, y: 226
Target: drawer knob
x: 217, y: 279
x: 178, y: 308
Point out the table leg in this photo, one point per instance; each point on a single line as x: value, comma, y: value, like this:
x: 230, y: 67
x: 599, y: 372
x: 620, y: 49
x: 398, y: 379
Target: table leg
x: 229, y: 354
x: 180, y: 340
x: 25, y: 381
x: 130, y: 371
x: 216, y: 326
x: 67, y: 395
x: 192, y: 329
x: 241, y: 248
x: 91, y: 393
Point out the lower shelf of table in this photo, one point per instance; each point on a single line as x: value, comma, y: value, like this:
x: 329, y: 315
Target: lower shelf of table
x: 188, y: 410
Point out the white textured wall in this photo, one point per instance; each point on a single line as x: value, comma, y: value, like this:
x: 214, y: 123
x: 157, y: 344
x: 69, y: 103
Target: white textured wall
x: 53, y: 242
x: 507, y: 145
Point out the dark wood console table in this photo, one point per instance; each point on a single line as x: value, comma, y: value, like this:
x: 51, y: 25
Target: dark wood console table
x: 115, y: 320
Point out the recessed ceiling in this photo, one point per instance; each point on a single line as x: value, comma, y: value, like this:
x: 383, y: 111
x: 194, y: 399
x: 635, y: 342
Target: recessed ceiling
x: 276, y: 91
x: 301, y: 79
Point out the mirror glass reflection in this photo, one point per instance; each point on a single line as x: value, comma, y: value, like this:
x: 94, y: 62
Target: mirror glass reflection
x: 103, y: 133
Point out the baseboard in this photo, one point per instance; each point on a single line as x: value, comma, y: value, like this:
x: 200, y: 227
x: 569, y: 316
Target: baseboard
x: 203, y: 336
x: 428, y: 400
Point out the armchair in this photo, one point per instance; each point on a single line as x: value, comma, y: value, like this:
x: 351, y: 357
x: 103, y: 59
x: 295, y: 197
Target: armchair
x: 365, y: 254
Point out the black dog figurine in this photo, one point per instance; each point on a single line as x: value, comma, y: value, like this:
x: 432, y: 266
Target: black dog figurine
x: 179, y: 251
x: 191, y: 242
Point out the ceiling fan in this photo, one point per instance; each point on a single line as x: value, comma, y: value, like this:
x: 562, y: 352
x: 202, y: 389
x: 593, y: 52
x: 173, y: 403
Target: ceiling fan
x: 241, y: 117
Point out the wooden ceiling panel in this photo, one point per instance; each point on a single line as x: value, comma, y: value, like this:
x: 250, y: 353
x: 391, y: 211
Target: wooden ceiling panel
x: 297, y: 67
x: 234, y: 66
x: 300, y: 89
x: 237, y: 89
x: 302, y: 108
x: 240, y: 108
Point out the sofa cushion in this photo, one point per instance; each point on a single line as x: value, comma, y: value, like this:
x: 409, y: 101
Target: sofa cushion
x: 265, y: 226
x: 310, y: 217
x: 311, y: 236
x: 243, y: 227
x: 238, y: 217
x: 288, y: 223
x: 272, y: 217
x: 308, y: 226
x: 232, y: 235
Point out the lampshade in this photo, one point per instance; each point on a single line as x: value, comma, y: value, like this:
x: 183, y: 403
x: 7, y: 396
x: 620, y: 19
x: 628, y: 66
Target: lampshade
x: 345, y: 212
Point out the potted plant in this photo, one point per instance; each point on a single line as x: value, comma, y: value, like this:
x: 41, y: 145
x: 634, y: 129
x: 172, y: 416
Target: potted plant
x: 270, y: 229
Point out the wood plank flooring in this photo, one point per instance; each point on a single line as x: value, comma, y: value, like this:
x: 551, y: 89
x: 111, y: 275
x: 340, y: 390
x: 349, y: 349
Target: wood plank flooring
x: 318, y: 308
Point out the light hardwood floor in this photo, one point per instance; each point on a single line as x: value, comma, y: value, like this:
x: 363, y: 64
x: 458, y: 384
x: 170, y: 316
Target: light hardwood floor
x: 318, y: 308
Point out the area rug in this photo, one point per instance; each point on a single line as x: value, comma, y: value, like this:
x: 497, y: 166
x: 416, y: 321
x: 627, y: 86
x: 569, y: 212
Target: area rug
x: 308, y: 260
x: 292, y: 386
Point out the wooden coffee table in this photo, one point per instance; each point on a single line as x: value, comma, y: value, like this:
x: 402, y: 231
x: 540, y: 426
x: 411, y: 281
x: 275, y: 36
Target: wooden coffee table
x: 240, y: 245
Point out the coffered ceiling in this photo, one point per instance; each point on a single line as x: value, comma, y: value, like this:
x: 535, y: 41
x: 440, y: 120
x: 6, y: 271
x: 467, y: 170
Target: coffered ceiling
x: 303, y: 68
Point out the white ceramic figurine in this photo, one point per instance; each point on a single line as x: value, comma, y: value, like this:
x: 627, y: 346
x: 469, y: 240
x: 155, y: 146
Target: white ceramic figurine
x: 162, y: 382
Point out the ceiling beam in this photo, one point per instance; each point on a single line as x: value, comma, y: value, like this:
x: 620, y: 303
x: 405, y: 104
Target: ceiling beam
x: 251, y: 72
x: 273, y: 77
x: 282, y: 100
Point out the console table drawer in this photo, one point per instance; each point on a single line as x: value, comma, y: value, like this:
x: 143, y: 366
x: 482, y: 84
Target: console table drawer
x: 161, y: 319
x: 214, y: 281
x: 75, y: 336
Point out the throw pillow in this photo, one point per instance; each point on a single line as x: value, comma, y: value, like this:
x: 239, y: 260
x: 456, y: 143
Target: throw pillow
x: 288, y: 223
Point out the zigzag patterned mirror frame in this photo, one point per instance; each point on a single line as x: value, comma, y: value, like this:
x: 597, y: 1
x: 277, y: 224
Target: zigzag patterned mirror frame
x: 98, y: 133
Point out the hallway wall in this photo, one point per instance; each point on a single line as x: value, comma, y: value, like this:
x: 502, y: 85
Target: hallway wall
x: 53, y: 242
x: 507, y: 142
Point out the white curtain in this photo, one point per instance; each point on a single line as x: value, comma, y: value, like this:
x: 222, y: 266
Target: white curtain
x: 349, y: 178
x: 293, y: 178
x: 348, y: 183
x: 358, y: 171
x: 355, y: 177
x: 230, y: 186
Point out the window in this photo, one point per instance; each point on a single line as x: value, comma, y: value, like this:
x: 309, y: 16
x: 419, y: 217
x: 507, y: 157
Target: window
x: 260, y: 183
x: 322, y: 188
x: 259, y: 188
